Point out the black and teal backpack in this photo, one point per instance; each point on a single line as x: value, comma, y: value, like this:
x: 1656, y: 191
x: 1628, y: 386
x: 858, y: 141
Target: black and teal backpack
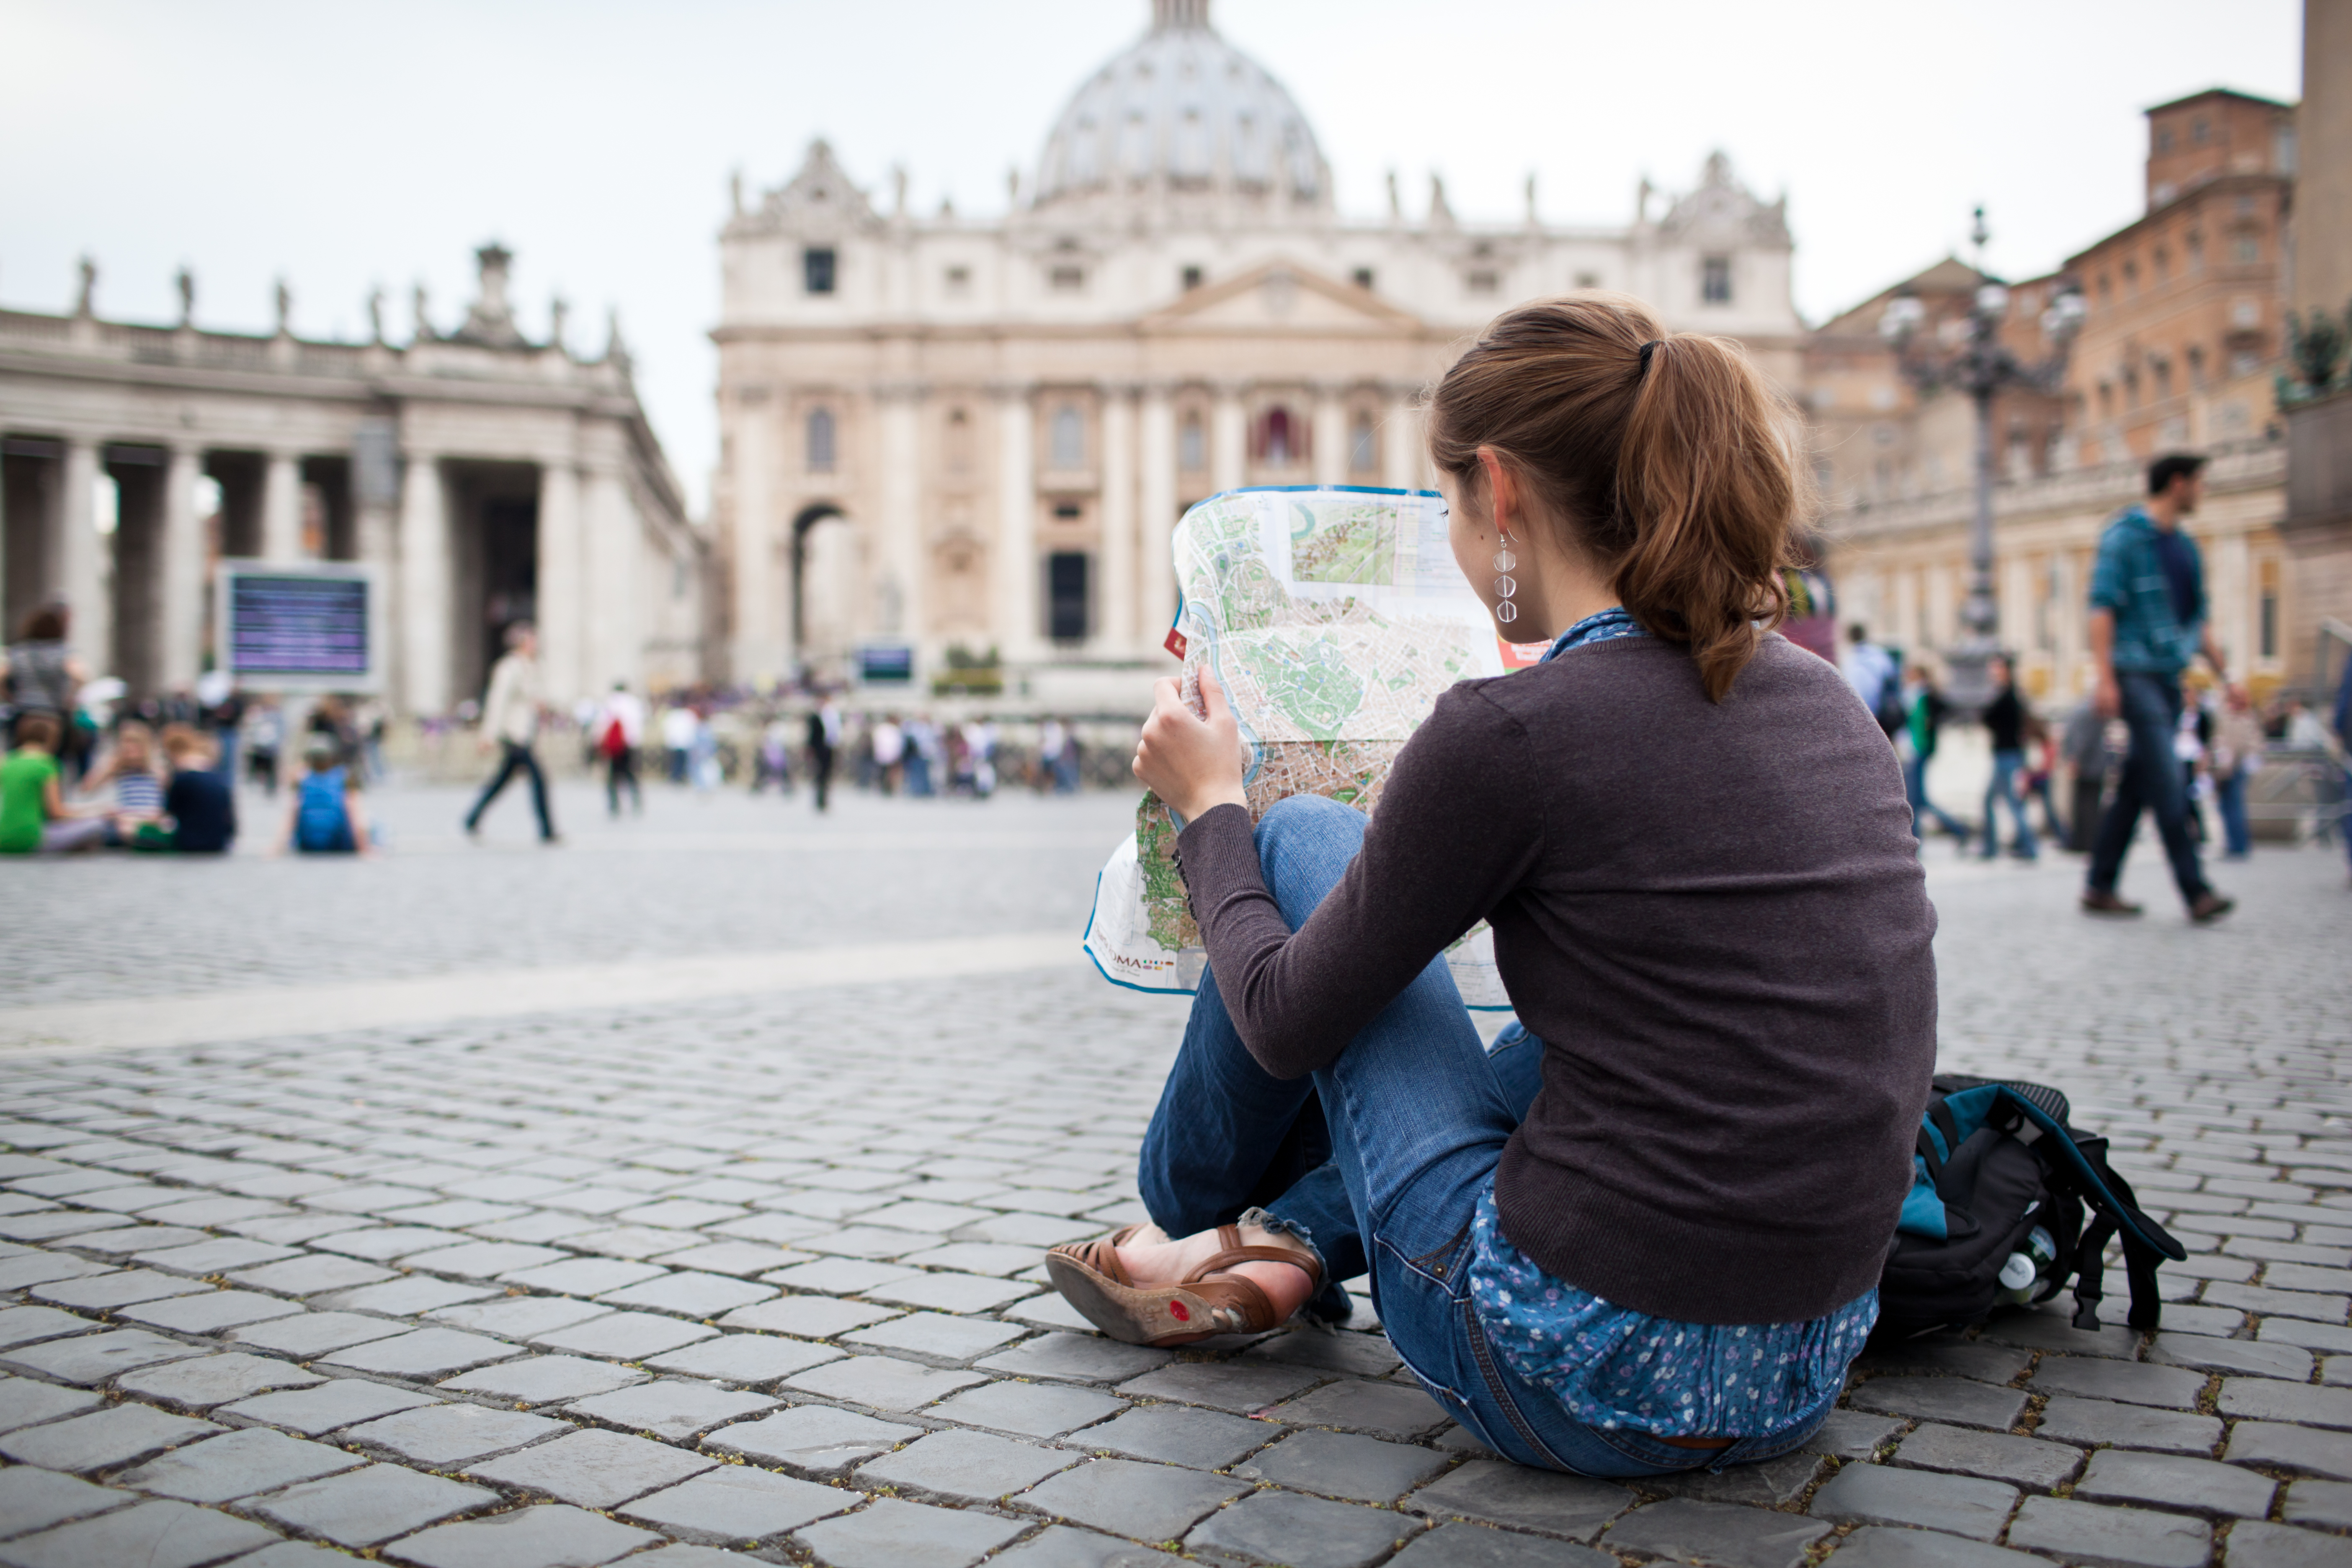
x: 1995, y: 1161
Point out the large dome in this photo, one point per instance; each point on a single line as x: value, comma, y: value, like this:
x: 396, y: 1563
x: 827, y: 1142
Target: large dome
x: 1185, y: 111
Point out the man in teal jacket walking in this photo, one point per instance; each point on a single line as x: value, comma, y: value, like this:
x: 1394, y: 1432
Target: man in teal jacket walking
x: 2147, y: 621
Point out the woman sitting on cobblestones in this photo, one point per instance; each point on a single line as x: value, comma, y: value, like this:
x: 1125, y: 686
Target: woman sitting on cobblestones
x: 1644, y: 1234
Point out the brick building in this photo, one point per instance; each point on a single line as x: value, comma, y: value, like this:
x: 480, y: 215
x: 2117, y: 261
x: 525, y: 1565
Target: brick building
x: 2180, y: 343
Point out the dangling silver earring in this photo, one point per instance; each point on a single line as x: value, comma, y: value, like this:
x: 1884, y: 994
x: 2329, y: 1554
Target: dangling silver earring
x: 1505, y: 611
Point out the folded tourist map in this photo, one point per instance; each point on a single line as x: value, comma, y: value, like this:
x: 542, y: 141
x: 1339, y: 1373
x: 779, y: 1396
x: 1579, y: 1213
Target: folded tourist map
x: 1334, y: 616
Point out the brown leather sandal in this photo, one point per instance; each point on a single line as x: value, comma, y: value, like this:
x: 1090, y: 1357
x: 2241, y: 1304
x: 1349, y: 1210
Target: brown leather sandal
x: 1089, y: 1277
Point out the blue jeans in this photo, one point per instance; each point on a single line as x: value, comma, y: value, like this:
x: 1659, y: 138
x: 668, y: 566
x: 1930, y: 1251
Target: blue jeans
x: 1377, y: 1162
x: 2151, y: 780
x: 1914, y: 788
x: 2237, y: 832
x: 2006, y: 767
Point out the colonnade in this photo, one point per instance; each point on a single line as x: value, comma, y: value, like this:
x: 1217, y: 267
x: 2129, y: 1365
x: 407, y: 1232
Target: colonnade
x: 139, y: 594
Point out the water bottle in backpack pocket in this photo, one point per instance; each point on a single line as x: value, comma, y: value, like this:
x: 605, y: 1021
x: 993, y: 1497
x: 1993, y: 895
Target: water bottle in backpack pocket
x: 2007, y: 1202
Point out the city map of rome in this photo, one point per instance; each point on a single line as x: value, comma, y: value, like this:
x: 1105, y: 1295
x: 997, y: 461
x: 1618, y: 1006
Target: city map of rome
x: 1334, y: 617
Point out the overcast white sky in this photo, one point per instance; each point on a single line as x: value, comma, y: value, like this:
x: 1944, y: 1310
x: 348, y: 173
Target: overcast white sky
x: 347, y: 145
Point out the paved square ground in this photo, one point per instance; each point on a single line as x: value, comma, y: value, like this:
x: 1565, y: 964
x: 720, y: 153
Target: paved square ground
x: 605, y: 1257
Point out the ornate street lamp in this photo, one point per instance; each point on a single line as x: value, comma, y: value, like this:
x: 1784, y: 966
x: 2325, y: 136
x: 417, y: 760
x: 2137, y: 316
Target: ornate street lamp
x: 1982, y: 367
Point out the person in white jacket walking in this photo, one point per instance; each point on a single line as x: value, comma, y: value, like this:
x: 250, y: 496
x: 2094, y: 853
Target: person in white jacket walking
x: 511, y: 716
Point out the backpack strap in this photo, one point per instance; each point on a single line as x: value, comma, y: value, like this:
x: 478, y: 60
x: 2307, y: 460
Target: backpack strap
x: 2091, y: 1267
x: 2117, y: 1212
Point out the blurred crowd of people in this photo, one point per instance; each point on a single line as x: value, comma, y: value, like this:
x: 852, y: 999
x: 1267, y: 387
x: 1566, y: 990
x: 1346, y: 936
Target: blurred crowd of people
x: 2223, y: 741
x: 697, y: 741
x: 88, y: 769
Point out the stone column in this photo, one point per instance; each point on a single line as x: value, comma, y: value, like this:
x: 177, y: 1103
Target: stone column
x: 80, y: 558
x: 619, y: 579
x: 1119, y: 539
x: 1330, y: 435
x: 282, y: 508
x: 899, y: 585
x: 2229, y: 601
x: 1156, y: 500
x: 1228, y: 439
x: 375, y: 491
x: 1016, y: 524
x: 180, y: 593
x: 426, y: 632
x: 762, y: 637
x: 558, y: 589
x: 1400, y: 455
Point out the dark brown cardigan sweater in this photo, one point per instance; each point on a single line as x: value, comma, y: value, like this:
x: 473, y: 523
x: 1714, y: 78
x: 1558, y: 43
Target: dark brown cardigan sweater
x: 1712, y: 913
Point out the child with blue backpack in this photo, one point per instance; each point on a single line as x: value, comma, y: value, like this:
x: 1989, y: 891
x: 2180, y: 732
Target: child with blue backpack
x: 325, y: 816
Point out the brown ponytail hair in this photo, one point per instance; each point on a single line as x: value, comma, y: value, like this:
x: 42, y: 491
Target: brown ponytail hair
x: 1674, y: 466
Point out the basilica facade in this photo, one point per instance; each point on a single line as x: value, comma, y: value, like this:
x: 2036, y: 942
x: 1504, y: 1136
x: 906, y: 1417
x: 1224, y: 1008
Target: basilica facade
x: 942, y: 436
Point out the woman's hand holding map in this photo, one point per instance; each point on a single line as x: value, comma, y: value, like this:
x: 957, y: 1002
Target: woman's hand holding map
x: 1191, y: 761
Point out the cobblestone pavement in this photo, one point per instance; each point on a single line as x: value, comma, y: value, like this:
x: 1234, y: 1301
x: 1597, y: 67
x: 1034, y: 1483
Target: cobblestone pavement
x: 757, y: 1277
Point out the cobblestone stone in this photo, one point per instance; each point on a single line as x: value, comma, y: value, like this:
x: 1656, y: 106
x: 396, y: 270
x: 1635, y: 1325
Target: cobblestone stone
x: 2133, y: 1383
x: 26, y: 1403
x: 1684, y: 1530
x: 2026, y: 1462
x: 33, y: 1499
x: 545, y: 1379
x: 1179, y: 1435
x: 439, y: 1436
x: 2110, y: 1537
x: 340, y: 1403
x: 1128, y: 1497
x: 2296, y: 1448
x: 160, y: 1534
x: 1881, y: 1494
x: 2257, y: 1545
x: 736, y: 1503
x: 206, y: 1381
x: 1303, y: 1531
x: 1341, y: 1464
x: 237, y: 1463
x: 1875, y: 1546
x: 592, y: 1468
x: 2168, y: 1481
x: 2328, y: 1504
x: 366, y: 1507
x: 548, y: 1536
x: 1497, y: 1492
x: 813, y: 1440
x: 2089, y: 1422
x: 1949, y: 1399
x: 103, y: 1439
x: 965, y: 1467
x: 894, y: 1534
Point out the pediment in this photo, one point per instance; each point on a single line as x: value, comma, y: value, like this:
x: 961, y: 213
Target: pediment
x: 1280, y: 296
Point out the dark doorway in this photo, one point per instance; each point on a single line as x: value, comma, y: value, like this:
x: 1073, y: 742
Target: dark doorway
x: 31, y: 481
x: 1066, y: 595
x: 239, y: 475
x: 809, y: 518
x: 509, y: 568
x: 494, y: 560
x: 138, y: 475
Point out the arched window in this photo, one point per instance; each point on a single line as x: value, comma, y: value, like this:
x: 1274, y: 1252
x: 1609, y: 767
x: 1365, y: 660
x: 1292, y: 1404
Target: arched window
x: 1066, y: 447
x: 1363, y: 445
x: 1280, y: 440
x: 819, y: 441
x: 1191, y: 446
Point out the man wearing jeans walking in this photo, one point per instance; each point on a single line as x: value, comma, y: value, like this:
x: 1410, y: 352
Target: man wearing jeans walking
x: 510, y: 714
x: 2147, y: 621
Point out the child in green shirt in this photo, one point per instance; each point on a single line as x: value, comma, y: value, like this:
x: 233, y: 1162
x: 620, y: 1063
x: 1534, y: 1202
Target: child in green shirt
x: 34, y: 817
